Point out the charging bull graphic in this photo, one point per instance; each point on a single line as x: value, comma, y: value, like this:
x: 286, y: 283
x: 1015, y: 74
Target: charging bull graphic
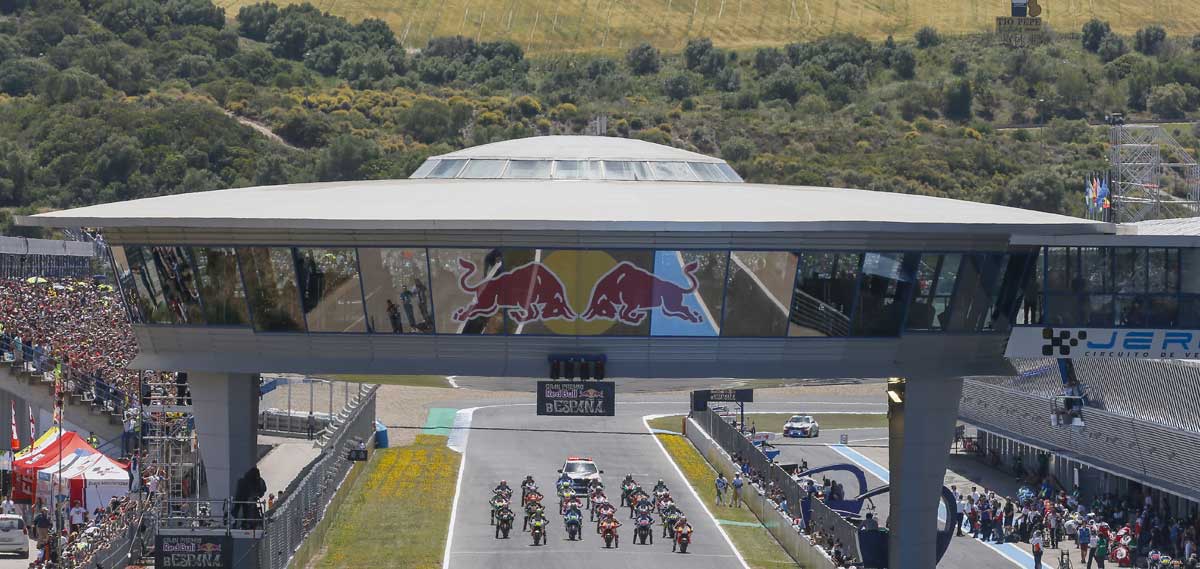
x: 531, y: 290
x: 628, y: 292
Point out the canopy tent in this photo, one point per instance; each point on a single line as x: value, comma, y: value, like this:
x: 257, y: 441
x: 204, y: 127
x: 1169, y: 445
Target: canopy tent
x: 26, y: 466
x: 90, y: 479
x: 47, y: 437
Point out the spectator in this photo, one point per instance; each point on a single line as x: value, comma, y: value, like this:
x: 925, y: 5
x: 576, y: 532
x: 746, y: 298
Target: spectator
x: 78, y: 517
x: 737, y: 491
x: 1036, y: 543
x: 870, y: 523
x: 721, y: 485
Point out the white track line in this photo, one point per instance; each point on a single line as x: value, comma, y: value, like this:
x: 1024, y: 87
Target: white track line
x: 645, y: 421
x: 754, y: 277
x: 452, y: 380
x: 462, y: 465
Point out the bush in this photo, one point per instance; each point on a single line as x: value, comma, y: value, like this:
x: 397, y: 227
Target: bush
x: 728, y: 80
x: 928, y: 37
x: 255, y: 20
x: 1094, y: 32
x: 20, y: 76
x: 957, y: 99
x: 1111, y: 47
x: 959, y: 65
x: 905, y: 63
x: 1196, y: 42
x: 768, y: 60
x: 1150, y: 40
x: 345, y: 158
x: 679, y: 87
x: 1168, y: 101
x: 737, y: 149
x: 527, y: 106
x: 643, y: 59
x: 696, y: 51
x: 304, y: 129
x: 196, y: 13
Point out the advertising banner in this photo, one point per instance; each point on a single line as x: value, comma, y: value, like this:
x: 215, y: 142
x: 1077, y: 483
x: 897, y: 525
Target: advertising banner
x: 1123, y: 343
x: 193, y: 551
x: 576, y: 398
x: 726, y: 395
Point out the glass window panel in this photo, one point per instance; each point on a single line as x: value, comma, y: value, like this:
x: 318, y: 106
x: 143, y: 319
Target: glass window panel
x: 535, y: 169
x: 1189, y: 270
x: 1094, y: 272
x: 1189, y: 312
x: 175, y: 270
x: 1130, y: 269
x: 489, y: 169
x: 689, y: 288
x: 463, y: 302
x: 424, y: 169
x: 1080, y: 310
x: 330, y: 291
x: 887, y: 279
x: 604, y: 292
x: 1032, y: 296
x: 978, y: 279
x: 221, y: 286
x: 758, y: 292
x: 1011, y: 293
x: 576, y: 170
x: 730, y: 173
x: 447, y: 169
x: 708, y: 172
x: 614, y: 170
x: 672, y: 171
x: 139, y: 306
x: 1058, y: 277
x: 396, y: 282
x: 824, y: 294
x: 1163, y: 274
x: 151, y: 302
x: 270, y: 277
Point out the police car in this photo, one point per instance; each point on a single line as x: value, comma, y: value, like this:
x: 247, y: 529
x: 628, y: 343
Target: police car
x: 801, y: 426
x: 581, y: 470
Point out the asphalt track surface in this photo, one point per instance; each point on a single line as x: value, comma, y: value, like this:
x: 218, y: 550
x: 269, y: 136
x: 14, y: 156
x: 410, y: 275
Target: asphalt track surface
x: 510, y: 455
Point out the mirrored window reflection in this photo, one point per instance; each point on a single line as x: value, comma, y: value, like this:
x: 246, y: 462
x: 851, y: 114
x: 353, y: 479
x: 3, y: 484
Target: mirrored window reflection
x: 151, y: 303
x: 1129, y: 267
x: 483, y: 169
x: 175, y: 269
x: 730, y: 173
x: 883, y: 289
x: 446, y: 169
x: 1189, y: 271
x: 330, y: 291
x: 1163, y: 271
x: 139, y: 309
x: 220, y: 286
x: 978, y: 280
x: 465, y: 284
x: 529, y: 169
x: 759, y: 290
x: 1011, y: 291
x: 672, y: 171
x: 1058, y: 263
x: 688, y: 293
x: 1080, y: 310
x: 270, y: 277
x: 824, y: 295
x: 929, y: 309
x: 396, y: 282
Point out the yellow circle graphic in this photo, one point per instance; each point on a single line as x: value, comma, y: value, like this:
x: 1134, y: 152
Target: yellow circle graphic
x: 579, y: 271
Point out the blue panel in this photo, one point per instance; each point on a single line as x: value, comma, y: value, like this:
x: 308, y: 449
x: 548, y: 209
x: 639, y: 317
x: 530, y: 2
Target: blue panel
x: 667, y: 267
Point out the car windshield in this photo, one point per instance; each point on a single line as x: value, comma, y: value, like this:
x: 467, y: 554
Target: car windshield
x: 800, y: 419
x: 580, y: 468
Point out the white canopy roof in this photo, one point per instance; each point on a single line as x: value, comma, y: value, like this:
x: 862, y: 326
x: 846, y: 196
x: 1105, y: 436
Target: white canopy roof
x: 579, y: 148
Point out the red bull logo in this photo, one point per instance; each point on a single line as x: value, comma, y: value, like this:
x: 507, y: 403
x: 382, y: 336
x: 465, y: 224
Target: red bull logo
x: 592, y: 393
x: 532, y: 291
x: 628, y: 293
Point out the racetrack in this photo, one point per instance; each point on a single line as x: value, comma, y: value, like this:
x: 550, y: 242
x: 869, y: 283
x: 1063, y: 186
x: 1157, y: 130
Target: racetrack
x: 495, y: 455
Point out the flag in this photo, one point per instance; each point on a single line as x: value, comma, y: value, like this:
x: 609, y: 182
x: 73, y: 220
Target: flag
x: 1103, y: 190
x: 1088, y: 200
x: 1107, y: 204
x: 1096, y: 189
x: 32, y: 427
x: 15, y: 444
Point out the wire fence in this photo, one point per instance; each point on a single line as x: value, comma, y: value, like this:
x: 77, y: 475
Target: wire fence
x: 306, y: 499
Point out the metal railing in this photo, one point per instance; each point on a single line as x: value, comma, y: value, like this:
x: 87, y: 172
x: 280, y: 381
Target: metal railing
x: 306, y: 498
x: 809, y: 312
x: 126, y: 541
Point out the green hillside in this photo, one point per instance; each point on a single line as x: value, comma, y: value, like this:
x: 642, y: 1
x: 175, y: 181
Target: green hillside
x: 585, y: 25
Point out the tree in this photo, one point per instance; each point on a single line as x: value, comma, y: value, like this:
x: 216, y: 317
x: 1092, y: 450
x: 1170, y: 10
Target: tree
x: 1041, y: 190
x: 255, y: 20
x: 304, y: 129
x: 1150, y: 40
x: 957, y: 100
x: 373, y: 32
x: 71, y: 84
x: 768, y: 60
x: 364, y: 69
x: 1168, y: 101
x: 1094, y: 32
x: 345, y: 158
x: 326, y: 59
x: 196, y: 13
x: 20, y: 76
x: 696, y: 50
x: 959, y: 64
x: 905, y: 63
x: 428, y: 120
x: 121, y: 16
x: 679, y: 87
x: 643, y: 59
x: 1111, y: 47
x: 1196, y: 42
x: 728, y: 80
x: 737, y: 149
x: 928, y: 37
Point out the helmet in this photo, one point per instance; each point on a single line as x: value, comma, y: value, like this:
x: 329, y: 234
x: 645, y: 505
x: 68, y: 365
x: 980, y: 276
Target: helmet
x: 682, y: 518
x: 504, y: 483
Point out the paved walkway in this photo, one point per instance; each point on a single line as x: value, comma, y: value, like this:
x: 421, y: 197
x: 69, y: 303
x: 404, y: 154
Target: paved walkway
x: 280, y: 466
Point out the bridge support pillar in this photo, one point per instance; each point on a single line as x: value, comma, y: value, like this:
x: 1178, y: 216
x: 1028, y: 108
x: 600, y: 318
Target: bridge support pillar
x: 226, y: 409
x: 922, y: 430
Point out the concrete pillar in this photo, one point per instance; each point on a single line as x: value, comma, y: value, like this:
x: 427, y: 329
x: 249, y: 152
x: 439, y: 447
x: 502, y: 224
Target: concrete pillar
x: 226, y: 410
x: 922, y: 430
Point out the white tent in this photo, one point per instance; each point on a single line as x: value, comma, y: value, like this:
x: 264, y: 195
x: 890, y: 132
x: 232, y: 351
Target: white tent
x: 93, y: 479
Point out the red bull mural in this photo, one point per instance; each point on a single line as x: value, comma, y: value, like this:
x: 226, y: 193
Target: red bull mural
x: 628, y: 293
x: 531, y: 291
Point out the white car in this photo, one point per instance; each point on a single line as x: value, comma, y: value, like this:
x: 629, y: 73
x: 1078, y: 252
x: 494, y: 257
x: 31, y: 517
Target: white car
x: 581, y: 471
x: 14, y: 536
x: 802, y: 426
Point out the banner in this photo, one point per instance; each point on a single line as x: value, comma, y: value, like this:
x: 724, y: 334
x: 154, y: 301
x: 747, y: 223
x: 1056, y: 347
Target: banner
x: 726, y: 395
x: 190, y: 551
x: 1123, y: 343
x: 576, y: 398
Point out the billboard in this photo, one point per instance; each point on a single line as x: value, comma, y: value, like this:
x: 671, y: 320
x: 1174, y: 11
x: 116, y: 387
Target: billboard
x: 1122, y: 343
x: 193, y: 551
x: 576, y: 398
x: 727, y: 395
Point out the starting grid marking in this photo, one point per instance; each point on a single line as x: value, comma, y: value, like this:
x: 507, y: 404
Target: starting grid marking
x: 1010, y: 551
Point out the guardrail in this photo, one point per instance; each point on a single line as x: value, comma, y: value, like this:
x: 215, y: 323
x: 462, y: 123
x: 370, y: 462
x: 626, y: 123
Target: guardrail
x: 809, y: 312
x: 719, y: 442
x: 306, y: 499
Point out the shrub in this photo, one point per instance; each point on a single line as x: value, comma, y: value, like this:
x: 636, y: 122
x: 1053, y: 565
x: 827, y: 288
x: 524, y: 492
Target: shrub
x: 679, y: 87
x: 768, y: 60
x: 1150, y: 40
x: 528, y: 106
x: 1111, y: 47
x: 1168, y: 101
x: 928, y: 37
x: 643, y: 59
x: 1094, y: 32
x: 959, y: 65
x: 905, y: 63
x: 957, y: 100
x: 696, y: 50
x: 255, y: 20
x: 737, y: 149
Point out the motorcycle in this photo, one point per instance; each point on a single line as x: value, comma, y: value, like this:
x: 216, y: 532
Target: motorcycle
x: 526, y: 488
x: 601, y: 512
x: 574, y: 524
x: 610, y: 537
x: 627, y: 490
x: 504, y: 526
x: 539, y: 530
x: 682, y: 539
x: 498, y: 502
x: 643, y: 530
x: 669, y: 524
x: 534, y: 509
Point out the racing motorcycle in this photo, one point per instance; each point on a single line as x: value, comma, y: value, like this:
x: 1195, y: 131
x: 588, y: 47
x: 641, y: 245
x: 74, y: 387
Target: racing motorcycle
x: 574, y: 523
x: 682, y: 539
x: 643, y: 529
x: 668, y: 522
x: 609, y: 533
x: 504, y: 523
x: 602, y: 511
x: 498, y: 502
x: 532, y: 509
x: 538, y: 526
x: 627, y: 489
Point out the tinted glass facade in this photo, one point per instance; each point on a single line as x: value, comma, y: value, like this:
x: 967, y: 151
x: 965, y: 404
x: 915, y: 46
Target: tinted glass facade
x: 1136, y: 287
x: 590, y: 292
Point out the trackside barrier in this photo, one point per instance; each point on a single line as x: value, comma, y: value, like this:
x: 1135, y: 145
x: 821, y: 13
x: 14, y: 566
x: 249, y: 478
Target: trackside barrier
x: 797, y: 545
x: 307, y: 499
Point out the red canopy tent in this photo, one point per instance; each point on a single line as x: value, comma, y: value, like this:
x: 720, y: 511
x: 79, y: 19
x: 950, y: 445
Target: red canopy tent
x: 25, y: 469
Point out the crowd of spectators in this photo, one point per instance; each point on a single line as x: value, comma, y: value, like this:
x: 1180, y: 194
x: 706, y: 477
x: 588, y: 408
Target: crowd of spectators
x: 90, y: 535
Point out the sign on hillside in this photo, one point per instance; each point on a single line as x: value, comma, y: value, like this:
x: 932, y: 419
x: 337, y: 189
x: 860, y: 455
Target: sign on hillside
x: 576, y: 398
x: 1019, y: 31
x: 1121, y: 343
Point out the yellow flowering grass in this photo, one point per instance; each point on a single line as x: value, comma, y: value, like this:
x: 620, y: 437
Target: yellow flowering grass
x: 756, y: 545
x: 397, y: 513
